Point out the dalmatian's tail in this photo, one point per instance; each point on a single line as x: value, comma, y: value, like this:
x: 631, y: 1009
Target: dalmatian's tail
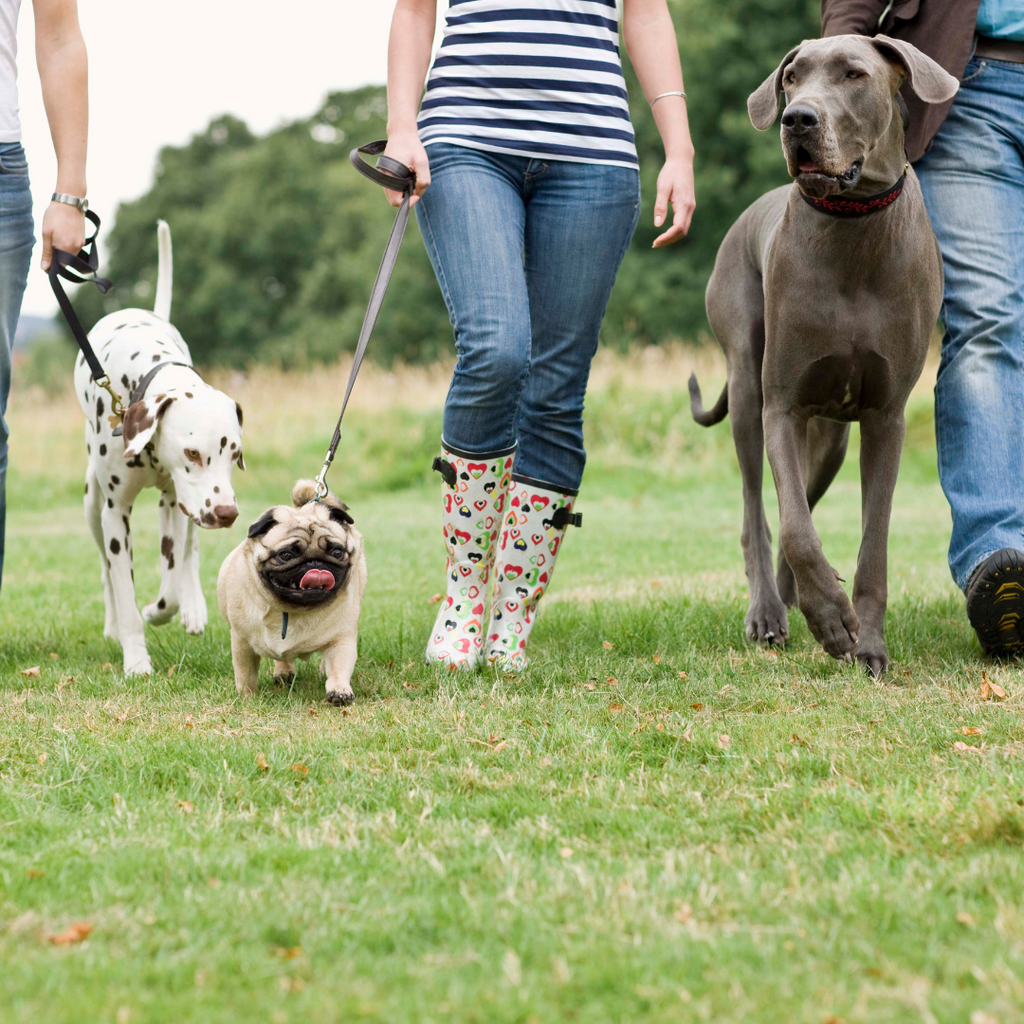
x: 165, y: 271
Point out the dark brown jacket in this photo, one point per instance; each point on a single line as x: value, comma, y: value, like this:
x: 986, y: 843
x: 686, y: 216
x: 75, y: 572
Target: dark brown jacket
x: 943, y: 29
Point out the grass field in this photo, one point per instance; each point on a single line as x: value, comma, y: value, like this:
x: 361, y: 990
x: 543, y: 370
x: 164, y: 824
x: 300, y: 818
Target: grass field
x: 656, y: 823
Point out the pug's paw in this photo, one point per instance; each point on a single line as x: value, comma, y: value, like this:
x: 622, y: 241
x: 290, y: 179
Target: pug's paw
x: 341, y: 696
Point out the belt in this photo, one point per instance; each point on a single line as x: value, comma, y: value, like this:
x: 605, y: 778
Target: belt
x: 1011, y: 50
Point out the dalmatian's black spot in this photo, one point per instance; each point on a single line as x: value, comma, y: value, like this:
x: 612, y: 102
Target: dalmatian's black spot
x: 121, y: 327
x: 88, y: 449
x: 216, y: 490
x: 110, y: 503
x: 188, y: 394
x: 86, y: 491
x: 127, y: 527
x: 223, y: 443
x: 81, y: 359
x: 156, y: 358
x: 208, y: 503
x: 99, y: 407
x: 208, y: 459
x: 233, y: 446
x: 134, y: 354
x: 103, y: 449
x: 115, y: 546
x: 161, y: 604
x: 167, y: 550
x: 110, y: 487
x: 115, y: 479
x: 124, y: 382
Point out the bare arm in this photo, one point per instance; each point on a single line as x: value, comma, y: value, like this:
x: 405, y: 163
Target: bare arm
x: 851, y: 17
x: 412, y: 36
x: 64, y: 74
x: 650, y: 38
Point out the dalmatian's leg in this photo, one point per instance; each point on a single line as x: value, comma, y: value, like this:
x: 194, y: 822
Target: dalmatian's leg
x: 193, y: 603
x: 94, y: 502
x: 172, y: 563
x: 117, y: 550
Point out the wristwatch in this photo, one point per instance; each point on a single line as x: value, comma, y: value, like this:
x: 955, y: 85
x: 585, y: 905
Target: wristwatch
x: 63, y: 197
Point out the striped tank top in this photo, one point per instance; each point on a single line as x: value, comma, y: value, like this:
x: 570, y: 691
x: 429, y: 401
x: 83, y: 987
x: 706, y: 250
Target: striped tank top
x: 538, y: 78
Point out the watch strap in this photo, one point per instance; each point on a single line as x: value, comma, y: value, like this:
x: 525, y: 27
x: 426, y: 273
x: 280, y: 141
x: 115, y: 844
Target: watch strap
x: 63, y: 197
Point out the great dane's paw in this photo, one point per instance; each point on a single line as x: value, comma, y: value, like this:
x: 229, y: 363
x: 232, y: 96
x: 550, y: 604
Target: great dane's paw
x: 872, y: 655
x: 767, y: 623
x: 341, y: 696
x: 138, y: 665
x: 194, y: 619
x: 834, y: 624
x: 156, y: 613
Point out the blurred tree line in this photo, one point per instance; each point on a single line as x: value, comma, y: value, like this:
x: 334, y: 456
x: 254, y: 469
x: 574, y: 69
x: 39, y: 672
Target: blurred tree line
x: 277, y: 239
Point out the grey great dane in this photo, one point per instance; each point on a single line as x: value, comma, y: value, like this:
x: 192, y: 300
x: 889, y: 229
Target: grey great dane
x: 824, y: 296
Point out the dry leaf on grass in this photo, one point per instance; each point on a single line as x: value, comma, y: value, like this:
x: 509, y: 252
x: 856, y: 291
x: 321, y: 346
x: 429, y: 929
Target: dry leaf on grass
x: 971, y: 730
x: 300, y: 769
x: 612, y: 681
x: 261, y: 763
x: 990, y: 689
x: 614, y: 708
x: 965, y: 919
x: 287, y: 952
x: 683, y: 675
x: 73, y: 933
x: 32, y: 873
x: 588, y: 686
x: 545, y: 761
x: 107, y: 665
x: 189, y: 722
x: 32, y: 673
x: 565, y: 852
x: 724, y: 741
x: 655, y: 583
x: 185, y: 806
x: 657, y: 659
x: 54, y: 655
x: 963, y: 748
x: 697, y: 707
x: 42, y: 758
x: 436, y: 599
x: 684, y: 913
x: 312, y: 712
x: 607, y: 645
x: 409, y: 686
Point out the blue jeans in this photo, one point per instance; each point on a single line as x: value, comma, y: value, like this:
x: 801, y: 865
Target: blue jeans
x: 526, y: 252
x: 16, y: 241
x: 973, y: 184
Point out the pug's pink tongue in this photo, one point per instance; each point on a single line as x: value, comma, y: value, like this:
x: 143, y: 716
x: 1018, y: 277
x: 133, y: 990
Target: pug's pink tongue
x: 317, y: 579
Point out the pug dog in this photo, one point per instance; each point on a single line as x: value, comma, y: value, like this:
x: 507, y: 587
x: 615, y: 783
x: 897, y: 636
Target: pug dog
x: 294, y: 586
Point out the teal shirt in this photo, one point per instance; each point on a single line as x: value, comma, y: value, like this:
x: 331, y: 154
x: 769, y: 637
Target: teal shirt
x: 1001, y: 19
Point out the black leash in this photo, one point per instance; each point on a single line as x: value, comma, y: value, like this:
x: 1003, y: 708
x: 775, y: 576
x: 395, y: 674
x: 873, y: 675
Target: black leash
x: 79, y: 270
x: 399, y: 178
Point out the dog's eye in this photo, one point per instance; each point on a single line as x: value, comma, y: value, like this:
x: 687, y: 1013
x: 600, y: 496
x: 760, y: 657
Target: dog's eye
x: 284, y: 556
x: 193, y: 456
x: 338, y: 553
x: 790, y: 78
x: 854, y: 74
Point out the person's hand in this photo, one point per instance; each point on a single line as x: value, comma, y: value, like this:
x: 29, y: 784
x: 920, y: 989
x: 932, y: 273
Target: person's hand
x: 407, y: 149
x: 675, y: 186
x: 63, y: 228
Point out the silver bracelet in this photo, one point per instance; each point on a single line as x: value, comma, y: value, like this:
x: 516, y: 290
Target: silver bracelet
x: 63, y: 197
x: 664, y: 94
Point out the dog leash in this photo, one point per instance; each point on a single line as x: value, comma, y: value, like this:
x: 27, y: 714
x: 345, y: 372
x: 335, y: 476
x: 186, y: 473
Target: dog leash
x: 81, y: 269
x: 395, y: 176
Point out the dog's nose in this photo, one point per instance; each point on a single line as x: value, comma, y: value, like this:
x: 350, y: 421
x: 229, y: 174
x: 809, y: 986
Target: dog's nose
x: 227, y: 514
x: 800, y: 118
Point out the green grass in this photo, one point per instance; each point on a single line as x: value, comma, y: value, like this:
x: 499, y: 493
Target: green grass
x: 581, y: 843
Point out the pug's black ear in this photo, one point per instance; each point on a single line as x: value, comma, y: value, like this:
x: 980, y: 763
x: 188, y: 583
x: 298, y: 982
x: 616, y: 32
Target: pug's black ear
x: 339, y: 513
x: 264, y: 524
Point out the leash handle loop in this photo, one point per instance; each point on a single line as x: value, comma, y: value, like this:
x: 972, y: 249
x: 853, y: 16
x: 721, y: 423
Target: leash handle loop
x: 396, y: 176
x: 389, y: 172
x: 81, y: 269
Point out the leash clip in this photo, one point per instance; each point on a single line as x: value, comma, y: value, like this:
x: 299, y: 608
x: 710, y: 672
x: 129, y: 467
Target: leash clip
x: 116, y: 406
x: 321, y: 480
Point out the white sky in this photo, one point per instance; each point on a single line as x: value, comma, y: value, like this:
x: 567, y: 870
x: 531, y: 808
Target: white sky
x: 159, y: 71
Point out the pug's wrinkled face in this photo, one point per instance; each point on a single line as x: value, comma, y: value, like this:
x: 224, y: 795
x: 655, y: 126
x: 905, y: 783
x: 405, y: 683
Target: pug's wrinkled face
x: 304, y: 555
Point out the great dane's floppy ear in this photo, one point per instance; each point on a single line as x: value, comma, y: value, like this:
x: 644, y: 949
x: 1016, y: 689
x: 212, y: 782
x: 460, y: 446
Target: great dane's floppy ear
x: 140, y: 425
x: 927, y: 79
x: 763, y: 105
x: 264, y: 524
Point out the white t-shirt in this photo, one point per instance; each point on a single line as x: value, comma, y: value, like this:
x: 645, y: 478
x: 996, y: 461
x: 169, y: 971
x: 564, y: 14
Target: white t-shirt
x: 10, y: 125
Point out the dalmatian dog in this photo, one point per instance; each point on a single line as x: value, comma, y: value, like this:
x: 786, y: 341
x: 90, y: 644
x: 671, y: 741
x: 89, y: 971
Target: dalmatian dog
x: 179, y: 435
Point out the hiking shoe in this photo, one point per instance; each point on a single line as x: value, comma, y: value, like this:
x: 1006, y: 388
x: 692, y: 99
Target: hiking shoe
x: 995, y: 603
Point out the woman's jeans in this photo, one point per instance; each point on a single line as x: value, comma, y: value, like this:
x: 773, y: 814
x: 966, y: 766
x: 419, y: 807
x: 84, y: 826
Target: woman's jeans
x: 973, y: 184
x: 16, y: 240
x: 526, y: 252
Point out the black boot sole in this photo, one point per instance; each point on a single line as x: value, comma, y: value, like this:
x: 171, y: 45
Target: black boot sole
x: 995, y: 604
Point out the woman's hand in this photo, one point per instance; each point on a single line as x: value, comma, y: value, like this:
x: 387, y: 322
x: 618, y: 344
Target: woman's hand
x: 63, y: 228
x: 407, y: 149
x: 675, y: 186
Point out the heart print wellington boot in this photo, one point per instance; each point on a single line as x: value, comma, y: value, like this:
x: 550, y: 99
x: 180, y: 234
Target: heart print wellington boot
x: 530, y: 540
x: 475, y: 498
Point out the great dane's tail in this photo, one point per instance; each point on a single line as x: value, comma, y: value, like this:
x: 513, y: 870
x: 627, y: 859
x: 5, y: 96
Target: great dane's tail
x: 712, y: 416
x: 165, y: 271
